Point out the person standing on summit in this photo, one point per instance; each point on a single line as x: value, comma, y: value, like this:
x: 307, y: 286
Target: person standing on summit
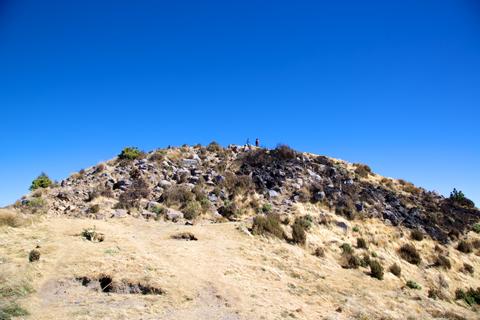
x: 257, y: 143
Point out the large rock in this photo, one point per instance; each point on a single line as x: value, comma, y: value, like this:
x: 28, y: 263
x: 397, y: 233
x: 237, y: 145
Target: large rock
x: 173, y: 214
x: 119, y: 213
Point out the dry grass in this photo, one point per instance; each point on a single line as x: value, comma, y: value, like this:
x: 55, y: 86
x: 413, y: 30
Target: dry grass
x: 225, y: 275
x: 12, y: 219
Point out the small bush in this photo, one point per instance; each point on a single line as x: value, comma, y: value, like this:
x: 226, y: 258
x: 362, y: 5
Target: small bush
x: 413, y: 285
x: 417, y: 235
x: 476, y: 227
x: 100, y: 168
x: 361, y: 243
x: 365, y: 261
x: 459, y: 198
x: 319, y: 252
x: 10, y: 310
x: 465, y: 247
x: 192, y: 210
x: 94, y: 208
x: 158, y: 156
x: 471, y: 296
x: 467, y: 268
x: 158, y: 210
x: 268, y: 225
x: 177, y: 194
x: 130, y: 153
x: 91, y: 234
x: 11, y: 219
x: 237, y: 184
x: 351, y: 261
x: 42, y: 181
x: 443, y: 261
x: 409, y: 253
x: 284, y: 152
x: 214, y: 147
x: 346, y: 248
x: 136, y: 191
x: 299, y: 235
x: 229, y: 210
x: 395, y: 269
x: 376, y: 269
x: 355, y: 229
x: 362, y: 170
x: 267, y: 208
x: 34, y: 255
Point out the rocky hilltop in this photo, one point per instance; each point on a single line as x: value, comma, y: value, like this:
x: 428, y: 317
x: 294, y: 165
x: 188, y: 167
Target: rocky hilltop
x: 235, y: 182
x: 207, y: 232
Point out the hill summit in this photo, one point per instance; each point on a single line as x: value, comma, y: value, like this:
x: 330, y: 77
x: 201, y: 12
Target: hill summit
x: 242, y: 232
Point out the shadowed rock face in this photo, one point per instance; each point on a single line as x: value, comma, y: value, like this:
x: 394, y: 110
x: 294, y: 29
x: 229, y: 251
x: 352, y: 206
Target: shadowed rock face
x: 328, y: 182
x: 280, y: 176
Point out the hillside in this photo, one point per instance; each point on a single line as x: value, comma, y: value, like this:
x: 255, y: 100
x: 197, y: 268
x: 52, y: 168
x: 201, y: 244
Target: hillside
x: 237, y: 233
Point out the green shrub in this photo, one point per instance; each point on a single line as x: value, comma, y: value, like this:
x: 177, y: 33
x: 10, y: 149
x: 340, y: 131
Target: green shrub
x: 130, y: 153
x: 465, y: 247
x: 361, y: 243
x: 355, y: 229
x: 395, y: 269
x: 158, y: 210
x: 11, y: 310
x: 192, y: 210
x: 413, y: 285
x: 365, y: 261
x: 42, y: 181
x: 267, y: 208
x: 459, y: 198
x: 268, y: 225
x: 471, y: 296
x: 299, y: 235
x: 351, y: 261
x: 409, y: 253
x: 476, y: 227
x: 417, y: 235
x: 376, y: 269
x: 346, y: 248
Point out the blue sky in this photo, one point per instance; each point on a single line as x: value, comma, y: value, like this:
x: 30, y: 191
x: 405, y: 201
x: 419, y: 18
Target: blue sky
x: 394, y: 84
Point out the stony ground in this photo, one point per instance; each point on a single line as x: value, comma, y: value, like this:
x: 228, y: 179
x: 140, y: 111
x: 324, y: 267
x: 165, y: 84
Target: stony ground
x: 225, y: 274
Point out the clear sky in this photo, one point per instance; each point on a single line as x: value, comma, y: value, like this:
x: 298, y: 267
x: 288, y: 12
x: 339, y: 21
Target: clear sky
x: 394, y: 84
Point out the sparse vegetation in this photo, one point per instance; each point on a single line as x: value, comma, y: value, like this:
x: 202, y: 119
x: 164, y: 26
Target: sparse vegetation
x: 443, y: 261
x: 11, y: 219
x: 192, y: 210
x: 470, y: 296
x: 34, y: 255
x: 284, y: 152
x: 130, y: 153
x: 361, y: 243
x: 413, y: 285
x: 214, y: 147
x: 417, y: 235
x: 177, y: 195
x: 395, y: 269
x: 362, y: 170
x: 458, y: 197
x: 94, y: 208
x: 319, y: 252
x: 467, y: 268
x: 299, y: 235
x: 346, y: 248
x: 11, y: 310
x: 465, y: 246
x: 268, y: 225
x: 476, y: 227
x: 410, y: 254
x: 42, y: 181
x: 266, y: 208
x: 91, y: 234
x: 376, y: 269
